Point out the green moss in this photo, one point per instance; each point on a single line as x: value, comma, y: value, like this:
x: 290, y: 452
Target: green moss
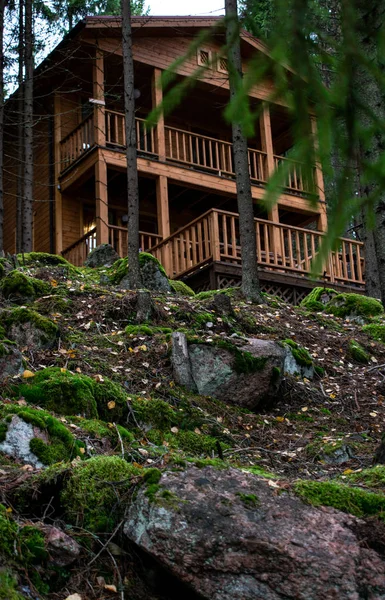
x: 344, y: 305
x: 313, y: 302
x: 301, y: 355
x: 43, y: 258
x: 155, y: 412
x: 20, y: 288
x: 2, y: 270
x: 217, y: 463
x: 3, y: 431
x: 351, y: 500
x: 181, y: 288
x: 200, y: 319
x: 372, y: 478
x: 275, y: 375
x: 145, y: 257
x: 357, y: 352
x: 249, y: 500
x: 211, y: 293
x: 260, y: 472
x: 32, y: 545
x: 244, y: 361
x: 8, y: 586
x: 376, y: 331
x: 20, y: 316
x: 146, y: 330
x: 74, y: 394
x: 194, y: 444
x: 118, y: 270
x: 6, y: 347
x: 94, y: 495
x: 319, y: 370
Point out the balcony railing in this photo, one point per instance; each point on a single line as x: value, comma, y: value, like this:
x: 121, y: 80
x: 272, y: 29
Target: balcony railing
x: 77, y: 252
x: 77, y: 143
x: 282, y: 248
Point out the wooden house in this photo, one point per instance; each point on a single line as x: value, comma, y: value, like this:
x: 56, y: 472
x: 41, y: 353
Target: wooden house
x: 188, y: 209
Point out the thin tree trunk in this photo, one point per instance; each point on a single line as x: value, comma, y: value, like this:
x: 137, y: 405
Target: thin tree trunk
x: 132, y: 169
x: 20, y: 135
x: 28, y: 133
x: 2, y: 6
x: 250, y: 281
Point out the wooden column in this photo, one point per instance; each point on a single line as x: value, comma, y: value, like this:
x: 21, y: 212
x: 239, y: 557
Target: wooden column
x: 319, y: 181
x: 101, y: 200
x: 267, y: 146
x: 57, y: 157
x: 157, y: 98
x: 98, y: 97
x: 163, y: 217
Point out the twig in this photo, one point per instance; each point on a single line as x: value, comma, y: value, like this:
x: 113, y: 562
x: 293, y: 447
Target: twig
x: 106, y: 544
x: 252, y: 450
x: 120, y: 439
x: 374, y: 368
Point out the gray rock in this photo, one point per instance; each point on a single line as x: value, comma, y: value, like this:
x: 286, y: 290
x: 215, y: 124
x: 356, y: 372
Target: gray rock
x: 221, y: 303
x: 153, y: 278
x: 339, y: 456
x: 229, y: 536
x: 30, y: 335
x: 16, y: 443
x: 11, y: 360
x: 212, y: 371
x: 292, y: 367
x: 102, y: 256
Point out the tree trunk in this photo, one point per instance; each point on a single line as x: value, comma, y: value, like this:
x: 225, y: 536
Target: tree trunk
x: 20, y: 134
x: 132, y: 168
x: 2, y: 6
x: 371, y: 95
x: 250, y: 281
x: 28, y: 133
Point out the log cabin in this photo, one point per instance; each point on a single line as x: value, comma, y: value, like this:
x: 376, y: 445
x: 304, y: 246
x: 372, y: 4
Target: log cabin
x: 188, y: 208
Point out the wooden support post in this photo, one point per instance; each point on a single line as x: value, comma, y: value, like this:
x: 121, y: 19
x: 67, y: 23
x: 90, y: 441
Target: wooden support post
x: 157, y: 97
x: 322, y: 224
x: 214, y: 234
x: 98, y: 96
x: 101, y: 199
x: 267, y: 146
x: 163, y: 218
x: 57, y: 158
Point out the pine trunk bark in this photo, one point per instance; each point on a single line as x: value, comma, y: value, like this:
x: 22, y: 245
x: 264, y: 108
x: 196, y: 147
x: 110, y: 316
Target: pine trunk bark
x: 27, y: 234
x: 132, y: 168
x: 250, y: 280
x: 20, y: 134
x: 2, y: 7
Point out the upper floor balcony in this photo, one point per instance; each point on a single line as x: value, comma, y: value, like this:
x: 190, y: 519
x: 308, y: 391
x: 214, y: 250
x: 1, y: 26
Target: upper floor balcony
x: 181, y: 147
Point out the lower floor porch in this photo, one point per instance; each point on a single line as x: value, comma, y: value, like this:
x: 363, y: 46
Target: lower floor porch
x: 206, y: 253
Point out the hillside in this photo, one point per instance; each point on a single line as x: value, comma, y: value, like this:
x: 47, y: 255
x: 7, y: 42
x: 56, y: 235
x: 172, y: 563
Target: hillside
x: 117, y: 481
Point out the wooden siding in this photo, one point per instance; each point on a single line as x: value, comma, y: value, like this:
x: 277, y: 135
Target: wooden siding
x: 72, y: 219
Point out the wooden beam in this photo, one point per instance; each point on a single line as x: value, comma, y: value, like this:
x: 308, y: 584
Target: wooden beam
x: 266, y: 138
x: 101, y: 199
x: 157, y: 98
x: 98, y: 93
x: 57, y: 194
x: 319, y: 181
x: 162, y: 206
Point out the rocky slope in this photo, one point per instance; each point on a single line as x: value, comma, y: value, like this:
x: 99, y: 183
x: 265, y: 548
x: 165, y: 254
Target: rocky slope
x: 159, y: 444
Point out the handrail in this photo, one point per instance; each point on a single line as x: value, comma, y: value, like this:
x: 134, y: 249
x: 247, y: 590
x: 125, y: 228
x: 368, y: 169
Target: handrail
x: 79, y: 126
x: 80, y: 240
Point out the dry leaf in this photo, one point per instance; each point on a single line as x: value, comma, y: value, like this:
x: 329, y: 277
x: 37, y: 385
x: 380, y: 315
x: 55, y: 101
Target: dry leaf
x: 111, y: 588
x: 174, y: 429
x: 74, y: 597
x: 27, y: 374
x: 82, y: 451
x: 21, y: 402
x: 111, y: 404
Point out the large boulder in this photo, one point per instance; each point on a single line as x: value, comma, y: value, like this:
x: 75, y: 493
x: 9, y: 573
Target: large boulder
x: 152, y: 274
x: 18, y: 437
x: 28, y: 328
x: 21, y: 289
x: 229, y: 536
x: 244, y: 375
x: 102, y: 256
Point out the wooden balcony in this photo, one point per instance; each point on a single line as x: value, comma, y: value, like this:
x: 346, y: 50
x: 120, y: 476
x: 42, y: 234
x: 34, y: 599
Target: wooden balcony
x: 182, y: 147
x: 282, y: 250
x: 214, y: 237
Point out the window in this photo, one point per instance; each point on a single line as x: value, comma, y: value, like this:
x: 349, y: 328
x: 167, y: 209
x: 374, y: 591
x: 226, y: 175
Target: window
x: 222, y: 64
x: 204, y: 57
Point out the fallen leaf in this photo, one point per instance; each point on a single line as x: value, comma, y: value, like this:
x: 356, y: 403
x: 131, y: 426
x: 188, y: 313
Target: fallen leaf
x: 74, y: 597
x: 21, y: 402
x: 82, y: 451
x: 27, y: 374
x: 174, y: 429
x: 111, y: 404
x: 111, y: 588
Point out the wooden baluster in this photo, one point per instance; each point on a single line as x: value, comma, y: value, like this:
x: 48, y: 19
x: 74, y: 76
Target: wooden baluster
x: 274, y: 235
x: 176, y: 255
x: 188, y: 249
x: 177, y: 145
x: 267, y: 245
x: 352, y: 269
x: 200, y: 241
x: 231, y: 170
x: 190, y: 143
x: 359, y: 267
x: 306, y: 251
x: 214, y: 236
x: 298, y: 251
x: 211, y: 154
x: 206, y: 240
x: 290, y: 248
x: 225, y: 250
x: 194, y: 245
x: 344, y: 263
x: 233, y: 238
x: 217, y: 157
x: 184, y: 147
x: 259, y: 249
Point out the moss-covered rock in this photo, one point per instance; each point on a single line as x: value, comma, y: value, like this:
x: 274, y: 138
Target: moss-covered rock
x: 358, y: 353
x: 69, y: 393
x: 146, y: 330
x: 44, y: 259
x: 21, y: 289
x: 152, y: 273
x: 93, y: 496
x: 27, y: 328
x: 354, y: 305
x: 181, y: 288
x: 11, y: 359
x: 373, y: 477
x: 318, y: 299
x: 355, y: 501
x: 376, y: 331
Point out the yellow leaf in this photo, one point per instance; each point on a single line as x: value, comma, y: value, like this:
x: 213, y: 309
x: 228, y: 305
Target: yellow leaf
x: 53, y: 282
x: 111, y: 404
x: 144, y: 348
x: 82, y: 451
x: 131, y: 350
x: 63, y: 370
x: 27, y: 374
x: 304, y: 408
x: 279, y: 419
x: 348, y: 471
x: 332, y: 396
x: 111, y: 588
x: 9, y: 509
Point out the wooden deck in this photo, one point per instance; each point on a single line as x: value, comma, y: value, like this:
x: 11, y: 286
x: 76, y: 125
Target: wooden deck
x: 283, y: 252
